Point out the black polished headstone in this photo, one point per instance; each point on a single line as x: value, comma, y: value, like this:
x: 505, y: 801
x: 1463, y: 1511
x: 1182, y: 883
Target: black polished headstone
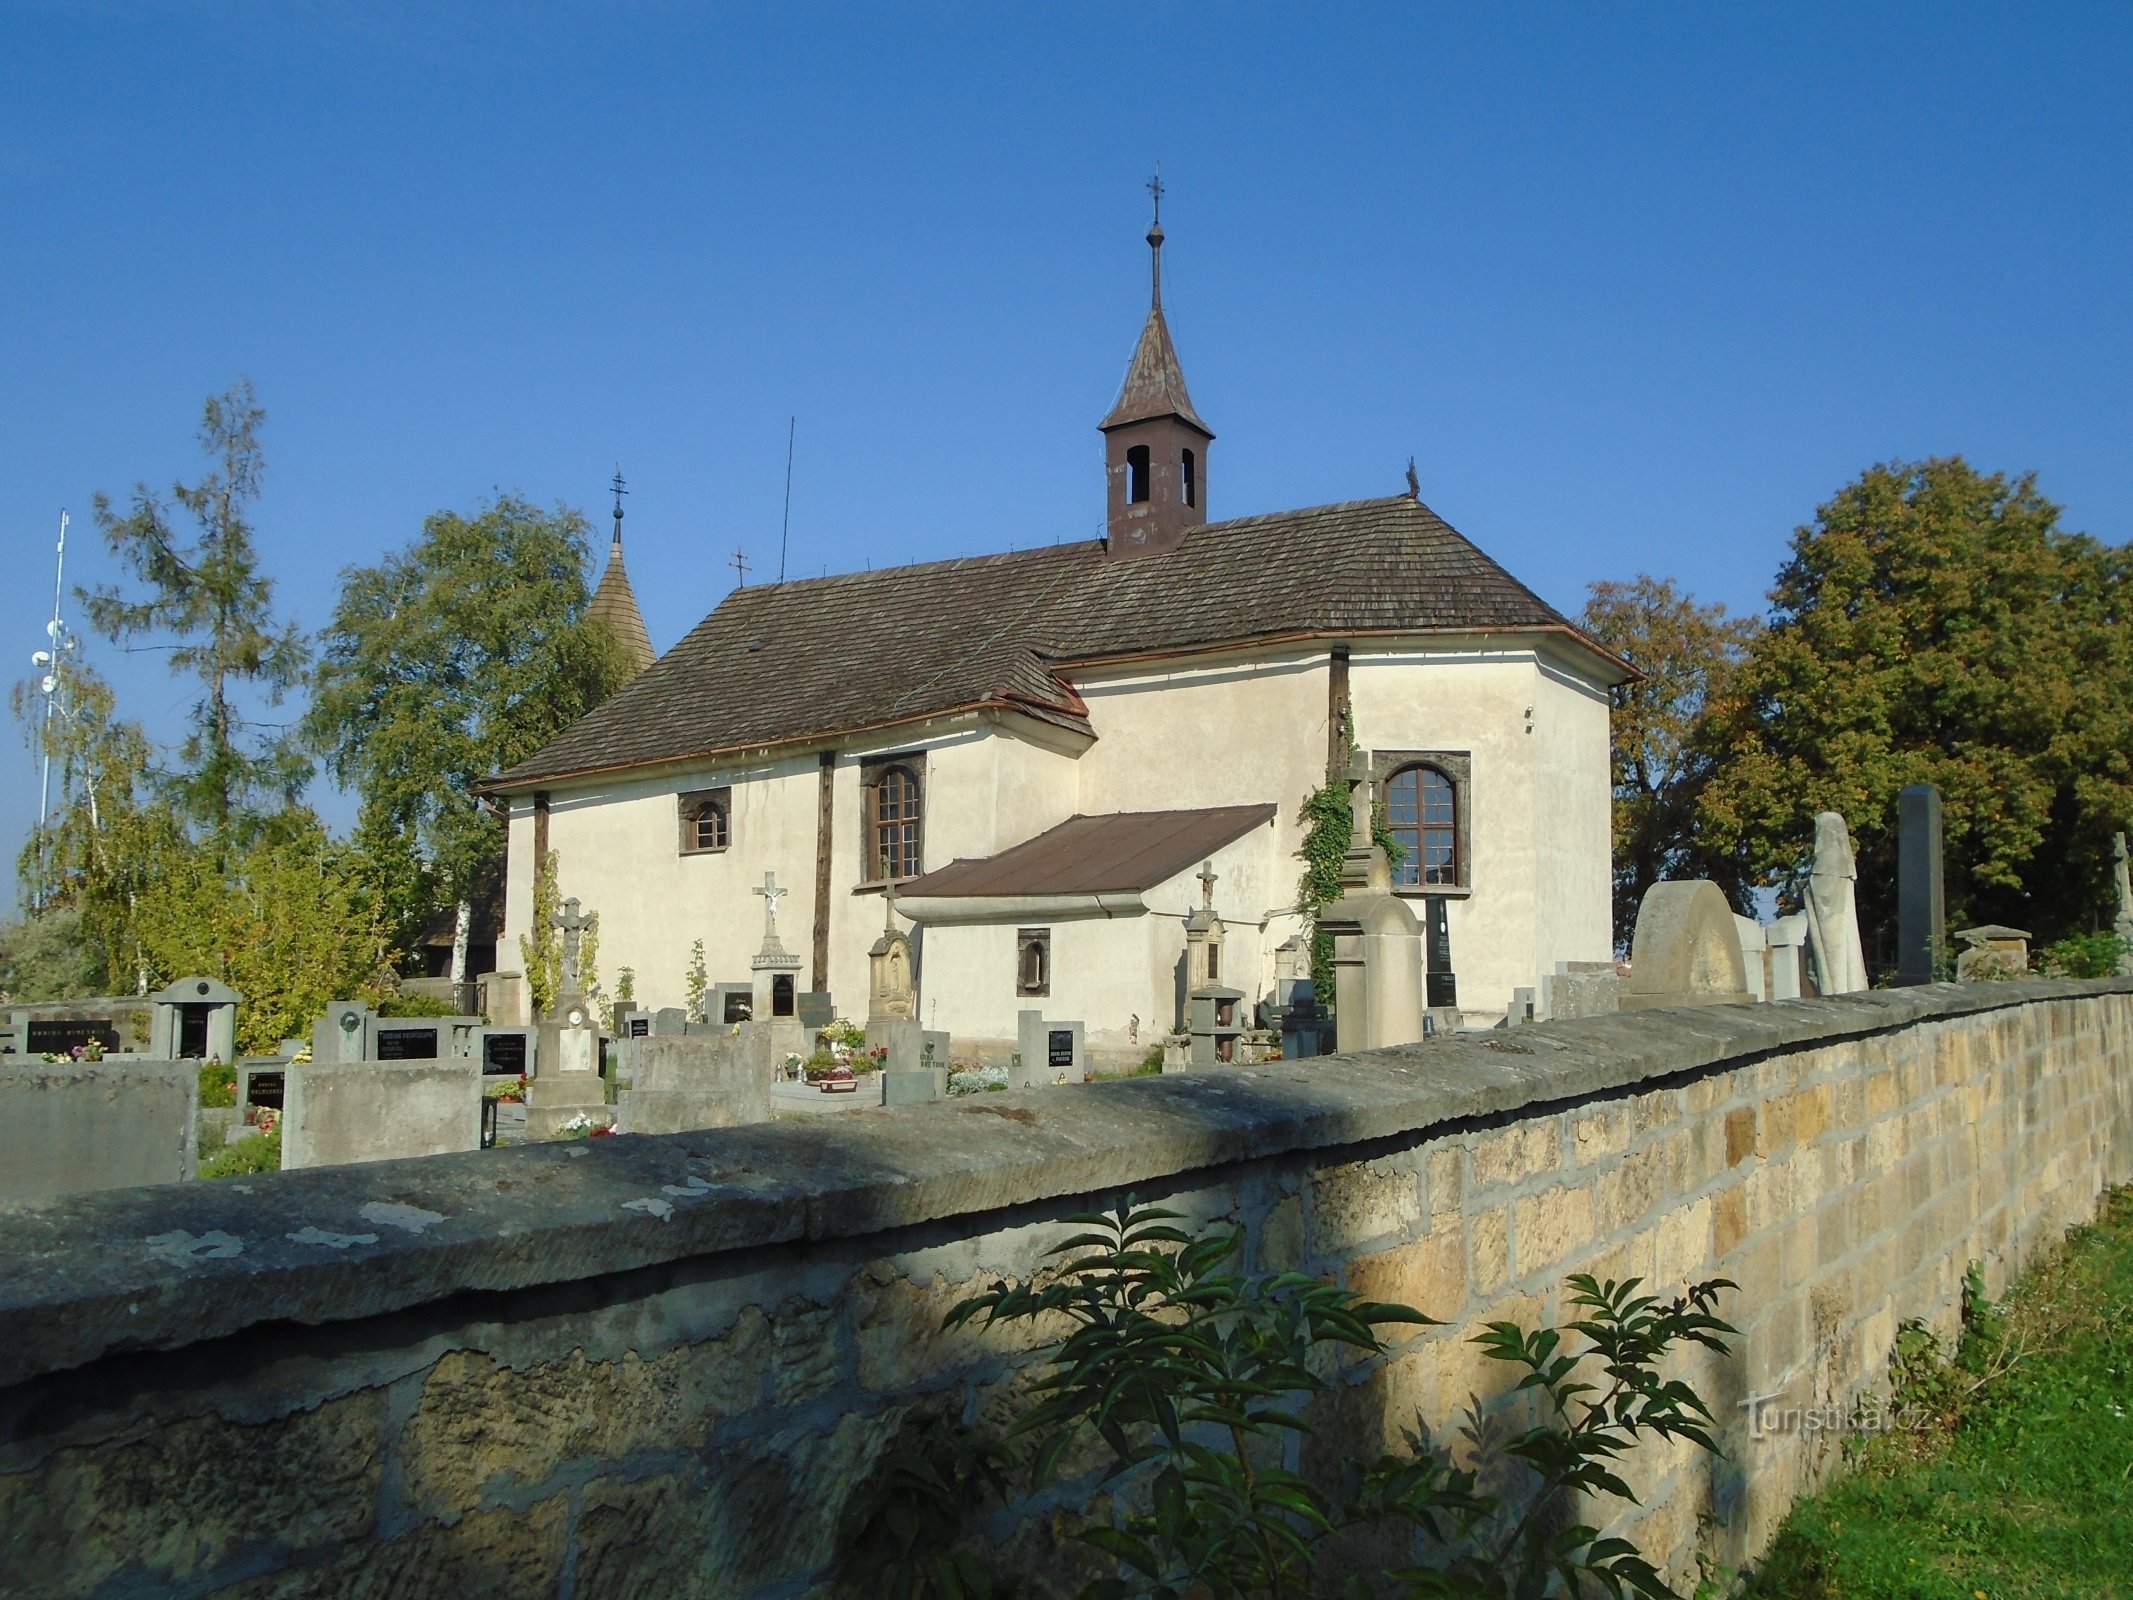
x: 407, y: 1044
x: 1921, y: 912
x: 1443, y: 987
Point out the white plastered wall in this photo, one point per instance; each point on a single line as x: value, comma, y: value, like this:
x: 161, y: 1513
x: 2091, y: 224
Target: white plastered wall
x: 1196, y: 734
x: 1119, y: 976
x: 1536, y: 887
x: 617, y: 846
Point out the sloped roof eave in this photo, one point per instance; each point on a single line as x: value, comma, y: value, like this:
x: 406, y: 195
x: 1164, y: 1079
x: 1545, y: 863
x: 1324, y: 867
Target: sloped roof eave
x: 1073, y: 719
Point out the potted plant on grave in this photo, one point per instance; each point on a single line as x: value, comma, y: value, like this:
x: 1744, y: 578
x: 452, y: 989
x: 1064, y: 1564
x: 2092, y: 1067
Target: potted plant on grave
x: 830, y: 1075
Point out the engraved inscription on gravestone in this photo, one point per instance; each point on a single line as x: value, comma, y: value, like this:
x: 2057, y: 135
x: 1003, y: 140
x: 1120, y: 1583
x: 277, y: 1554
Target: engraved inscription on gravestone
x: 1059, y: 1047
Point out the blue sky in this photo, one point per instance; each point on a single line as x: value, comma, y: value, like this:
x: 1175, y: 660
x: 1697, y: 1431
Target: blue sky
x: 1637, y: 287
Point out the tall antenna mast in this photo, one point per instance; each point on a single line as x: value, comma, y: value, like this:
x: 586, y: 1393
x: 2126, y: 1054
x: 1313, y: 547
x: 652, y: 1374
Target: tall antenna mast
x: 792, y: 426
x: 59, y: 645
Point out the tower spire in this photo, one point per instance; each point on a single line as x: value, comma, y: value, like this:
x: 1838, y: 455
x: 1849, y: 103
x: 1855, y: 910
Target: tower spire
x: 1155, y: 445
x: 614, y: 602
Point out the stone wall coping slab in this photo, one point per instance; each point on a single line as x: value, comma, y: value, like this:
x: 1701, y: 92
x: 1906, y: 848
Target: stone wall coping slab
x: 174, y: 1265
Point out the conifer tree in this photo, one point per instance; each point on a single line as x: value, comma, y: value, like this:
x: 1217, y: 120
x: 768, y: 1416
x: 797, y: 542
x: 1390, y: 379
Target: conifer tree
x: 216, y: 607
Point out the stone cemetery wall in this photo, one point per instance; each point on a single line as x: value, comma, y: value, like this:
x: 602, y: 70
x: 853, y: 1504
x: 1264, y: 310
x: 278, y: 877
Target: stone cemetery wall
x: 655, y: 1365
x: 108, y: 1125
x: 337, y: 1112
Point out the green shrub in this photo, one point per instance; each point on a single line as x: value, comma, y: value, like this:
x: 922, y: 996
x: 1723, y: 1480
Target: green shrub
x: 260, y: 1153
x: 2085, y: 955
x: 218, y: 1084
x: 1191, y: 1378
x: 414, y: 1005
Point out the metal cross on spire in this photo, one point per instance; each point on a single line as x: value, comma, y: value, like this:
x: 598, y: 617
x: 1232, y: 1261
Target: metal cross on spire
x: 739, y: 563
x: 1155, y: 236
x: 620, y: 490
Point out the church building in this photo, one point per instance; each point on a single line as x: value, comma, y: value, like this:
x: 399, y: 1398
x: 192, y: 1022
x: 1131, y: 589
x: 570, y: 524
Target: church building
x: 1042, y: 764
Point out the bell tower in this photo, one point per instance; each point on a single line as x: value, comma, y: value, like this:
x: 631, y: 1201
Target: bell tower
x: 1155, y: 445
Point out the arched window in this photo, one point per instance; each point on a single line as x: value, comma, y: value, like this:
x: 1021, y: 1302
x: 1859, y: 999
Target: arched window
x: 896, y: 823
x: 706, y: 821
x: 1423, y: 809
x: 1033, y: 961
x: 1137, y: 474
x: 1192, y: 478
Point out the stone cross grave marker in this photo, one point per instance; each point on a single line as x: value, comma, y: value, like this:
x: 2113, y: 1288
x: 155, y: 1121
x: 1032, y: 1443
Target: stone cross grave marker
x: 771, y: 894
x: 572, y: 925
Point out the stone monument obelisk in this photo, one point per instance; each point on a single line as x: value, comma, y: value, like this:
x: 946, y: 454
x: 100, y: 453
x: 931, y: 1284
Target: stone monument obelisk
x: 1921, y: 915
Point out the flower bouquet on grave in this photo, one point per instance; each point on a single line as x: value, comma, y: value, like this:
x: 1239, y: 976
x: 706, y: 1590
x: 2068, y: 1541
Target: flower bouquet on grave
x: 265, y: 1118
x: 511, y: 1094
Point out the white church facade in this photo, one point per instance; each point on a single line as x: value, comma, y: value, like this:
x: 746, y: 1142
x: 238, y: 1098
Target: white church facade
x: 1055, y: 755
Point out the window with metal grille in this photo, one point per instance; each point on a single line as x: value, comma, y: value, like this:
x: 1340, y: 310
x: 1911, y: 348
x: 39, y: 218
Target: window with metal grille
x: 1423, y: 810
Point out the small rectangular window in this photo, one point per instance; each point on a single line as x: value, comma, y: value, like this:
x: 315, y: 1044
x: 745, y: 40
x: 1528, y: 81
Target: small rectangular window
x: 706, y: 821
x: 1192, y: 479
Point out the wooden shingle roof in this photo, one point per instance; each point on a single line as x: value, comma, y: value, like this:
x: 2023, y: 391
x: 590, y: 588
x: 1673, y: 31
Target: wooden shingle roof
x: 822, y: 658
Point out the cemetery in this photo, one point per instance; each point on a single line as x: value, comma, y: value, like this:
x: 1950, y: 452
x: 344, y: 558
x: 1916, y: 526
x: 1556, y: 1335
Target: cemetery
x: 1136, y: 1043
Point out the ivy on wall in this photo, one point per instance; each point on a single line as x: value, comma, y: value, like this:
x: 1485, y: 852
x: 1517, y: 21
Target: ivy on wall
x: 1329, y: 829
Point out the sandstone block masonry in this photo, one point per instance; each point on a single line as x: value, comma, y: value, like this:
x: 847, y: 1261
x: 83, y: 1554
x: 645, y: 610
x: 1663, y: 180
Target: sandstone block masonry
x: 656, y: 1365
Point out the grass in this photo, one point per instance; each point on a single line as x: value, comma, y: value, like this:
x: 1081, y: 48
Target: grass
x: 2017, y: 1479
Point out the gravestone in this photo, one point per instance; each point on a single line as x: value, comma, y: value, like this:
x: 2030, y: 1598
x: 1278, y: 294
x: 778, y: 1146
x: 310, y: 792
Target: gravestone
x: 1785, y: 957
x: 916, y: 1069
x: 1524, y: 1006
x: 1443, y: 982
x: 566, y: 1083
x: 698, y: 1080
x: 890, y: 989
x: 1991, y: 952
x: 775, y: 968
x: 728, y: 1003
x: 345, y: 1033
x: 337, y: 1113
x: 669, y: 1022
x: 1050, y: 1051
x: 1754, y: 956
x: 262, y: 1082
x: 505, y: 1052
x: 1379, y: 993
x: 1921, y: 906
x: 72, y: 1127
x: 815, y: 1010
x: 1582, y: 989
x: 195, y: 1019
x: 1686, y: 951
x: 2123, y: 924
x: 399, y: 1039
x: 1833, y: 910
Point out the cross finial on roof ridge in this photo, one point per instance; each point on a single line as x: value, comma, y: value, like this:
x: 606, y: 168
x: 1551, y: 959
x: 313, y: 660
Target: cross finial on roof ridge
x: 620, y: 490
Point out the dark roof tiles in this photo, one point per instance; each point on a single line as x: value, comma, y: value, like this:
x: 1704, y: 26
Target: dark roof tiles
x: 1117, y: 852
x: 826, y: 657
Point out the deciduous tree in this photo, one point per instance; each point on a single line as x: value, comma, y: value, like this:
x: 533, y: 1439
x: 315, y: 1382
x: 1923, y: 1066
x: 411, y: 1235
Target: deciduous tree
x: 1936, y: 625
x: 1688, y: 655
x: 450, y: 660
